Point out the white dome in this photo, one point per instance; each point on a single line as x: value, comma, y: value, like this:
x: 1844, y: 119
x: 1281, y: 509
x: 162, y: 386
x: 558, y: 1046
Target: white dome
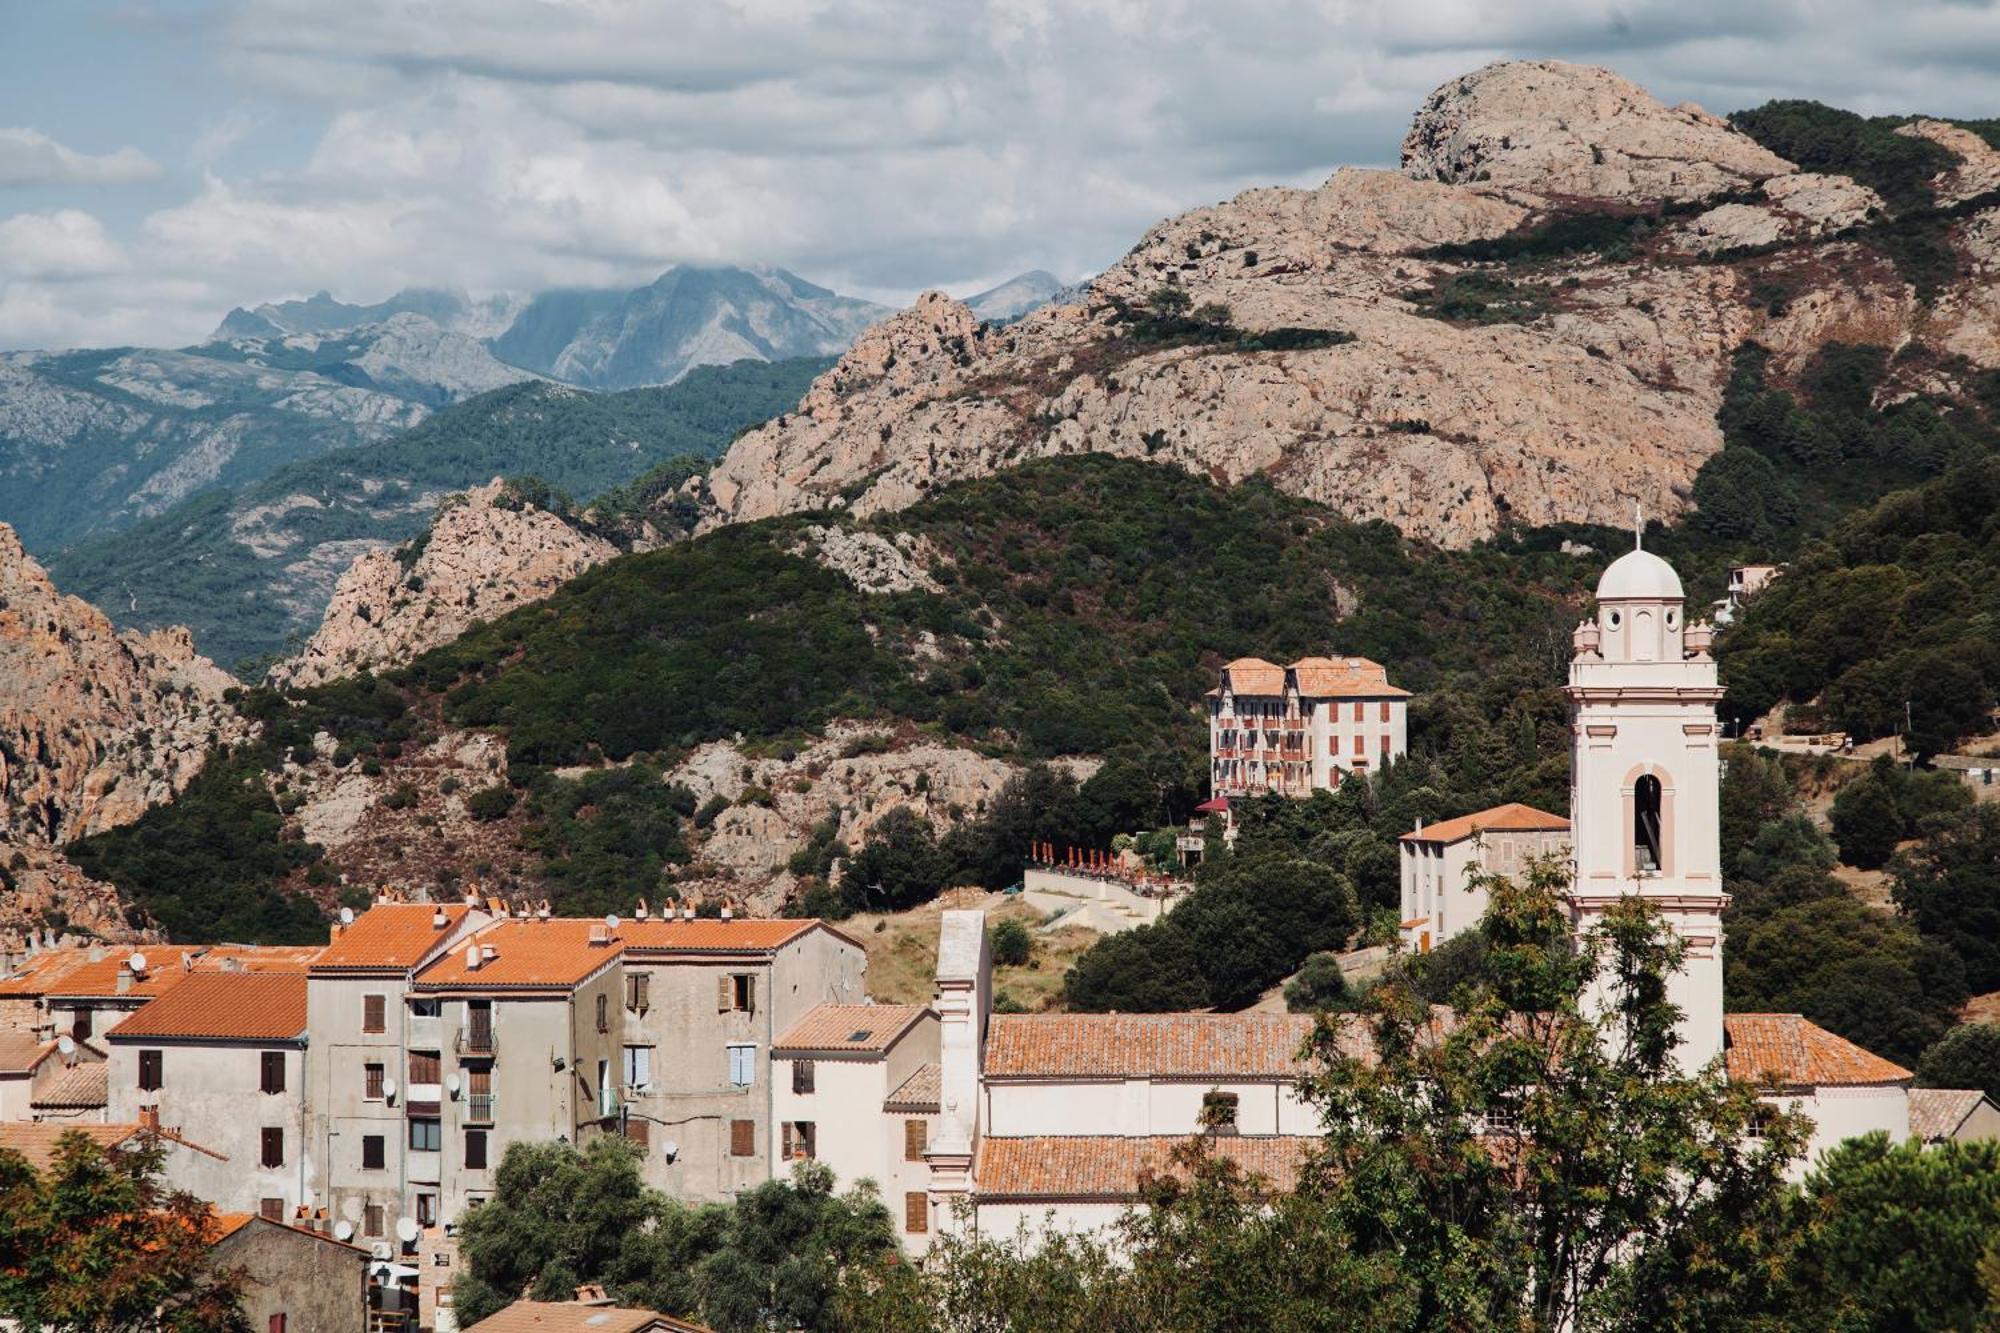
x: 1639, y: 574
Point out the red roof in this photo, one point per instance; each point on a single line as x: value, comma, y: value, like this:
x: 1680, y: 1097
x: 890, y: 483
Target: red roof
x: 1114, y: 1166
x: 98, y: 978
x: 1247, y: 1045
x: 528, y: 951
x: 1343, y: 678
x: 1215, y: 805
x: 1512, y: 817
x: 390, y: 937
x: 871, y: 1028
x: 1794, y: 1053
x: 713, y: 935
x: 224, y: 1006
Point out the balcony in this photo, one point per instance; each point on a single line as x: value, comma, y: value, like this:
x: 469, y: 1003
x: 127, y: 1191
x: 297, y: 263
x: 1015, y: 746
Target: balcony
x: 479, y: 1108
x: 424, y: 1031
x: 475, y: 1038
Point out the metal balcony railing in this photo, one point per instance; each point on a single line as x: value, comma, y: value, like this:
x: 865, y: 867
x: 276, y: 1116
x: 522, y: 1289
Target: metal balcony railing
x: 479, y: 1108
x: 476, y: 1038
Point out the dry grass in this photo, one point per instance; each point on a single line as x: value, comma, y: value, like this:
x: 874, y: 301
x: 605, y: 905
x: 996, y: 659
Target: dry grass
x: 902, y: 950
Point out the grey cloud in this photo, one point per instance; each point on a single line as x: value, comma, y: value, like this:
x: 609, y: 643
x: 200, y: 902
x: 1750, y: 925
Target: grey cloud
x: 29, y: 157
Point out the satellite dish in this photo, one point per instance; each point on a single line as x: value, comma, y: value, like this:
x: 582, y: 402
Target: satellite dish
x: 406, y: 1229
x: 137, y: 962
x: 347, y: 919
x: 389, y: 1088
x: 611, y: 922
x: 66, y: 1045
x: 451, y: 1084
x: 671, y: 1149
x: 343, y: 1230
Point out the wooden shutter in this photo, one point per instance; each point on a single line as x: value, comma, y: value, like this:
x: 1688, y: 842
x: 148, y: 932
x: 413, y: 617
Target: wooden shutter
x: 725, y: 993
x: 371, y: 1220
x: 604, y: 1013
x: 273, y: 1071
x: 802, y: 1076
x: 916, y: 1212
x: 371, y: 1082
x: 749, y: 995
x: 423, y: 1066
x: 373, y: 1017
x: 274, y: 1147
x: 271, y: 1210
x: 639, y: 1132
x: 371, y: 1152
x: 785, y: 1153
x: 916, y: 1138
x: 1385, y: 710
x: 742, y: 1138
x: 475, y: 1150
x: 150, y: 1079
x: 808, y: 1138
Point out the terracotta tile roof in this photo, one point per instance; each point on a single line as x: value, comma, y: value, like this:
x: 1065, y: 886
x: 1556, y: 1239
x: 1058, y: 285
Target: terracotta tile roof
x: 84, y: 1087
x: 390, y: 937
x: 711, y: 935
x: 35, y: 976
x: 223, y: 1006
x: 567, y: 1317
x: 1248, y: 1045
x: 224, y: 1225
x: 73, y: 972
x: 1343, y: 678
x: 1936, y: 1113
x: 921, y: 1091
x: 872, y: 1028
x: 1110, y: 1167
x: 1253, y: 675
x: 1799, y: 1054
x: 37, y: 1142
x: 1512, y: 817
x: 552, y: 954
x: 20, y: 1052
x: 166, y: 965
x: 296, y: 958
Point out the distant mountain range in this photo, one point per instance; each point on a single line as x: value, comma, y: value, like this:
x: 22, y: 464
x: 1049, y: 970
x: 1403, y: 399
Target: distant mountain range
x: 1020, y: 294
x: 94, y: 441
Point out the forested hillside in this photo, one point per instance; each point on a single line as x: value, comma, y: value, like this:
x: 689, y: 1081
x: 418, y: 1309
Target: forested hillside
x: 246, y: 568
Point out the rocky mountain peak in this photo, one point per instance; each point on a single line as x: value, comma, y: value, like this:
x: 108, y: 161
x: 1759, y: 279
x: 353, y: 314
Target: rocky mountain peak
x: 485, y: 553
x: 1551, y: 128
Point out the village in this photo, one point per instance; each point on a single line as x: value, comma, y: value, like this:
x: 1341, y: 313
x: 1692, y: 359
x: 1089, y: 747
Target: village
x: 346, y: 1107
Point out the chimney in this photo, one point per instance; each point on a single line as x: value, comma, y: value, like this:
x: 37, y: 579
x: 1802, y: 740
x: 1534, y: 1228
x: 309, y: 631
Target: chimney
x: 687, y: 909
x: 149, y: 1118
x: 472, y: 958
x: 124, y: 978
x: 591, y: 1293
x: 727, y: 911
x: 488, y: 952
x: 439, y: 919
x: 964, y: 984
x: 600, y: 934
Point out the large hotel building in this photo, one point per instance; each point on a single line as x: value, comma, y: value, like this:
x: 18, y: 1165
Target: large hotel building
x: 1301, y: 728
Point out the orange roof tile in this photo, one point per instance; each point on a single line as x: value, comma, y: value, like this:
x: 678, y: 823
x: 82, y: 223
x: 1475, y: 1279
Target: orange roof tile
x: 1936, y: 1113
x: 712, y: 935
x: 84, y: 1087
x: 921, y: 1091
x: 390, y: 937
x: 1343, y: 678
x: 1797, y: 1054
x: 551, y: 954
x: 1248, y: 1045
x: 1111, y: 1167
x: 37, y: 1142
x: 1253, y: 675
x: 870, y: 1028
x: 1512, y: 817
x: 35, y: 976
x: 571, y: 1317
x: 297, y: 958
x: 223, y: 1006
x: 165, y: 966
x: 20, y: 1052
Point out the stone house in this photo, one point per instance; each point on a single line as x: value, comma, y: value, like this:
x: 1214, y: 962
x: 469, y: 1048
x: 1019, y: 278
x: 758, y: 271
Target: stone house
x: 1960, y: 1115
x: 1439, y: 899
x: 33, y: 1066
x: 224, y: 1055
x: 866, y: 1074
x: 295, y: 1280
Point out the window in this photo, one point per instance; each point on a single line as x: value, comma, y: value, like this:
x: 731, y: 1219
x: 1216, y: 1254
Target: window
x: 427, y: 1210
x: 426, y: 1008
x: 736, y: 991
x: 425, y: 1136
x: 1385, y: 742
x: 1357, y: 710
x: 743, y: 1138
x: 371, y: 1220
x: 373, y: 1011
x: 639, y: 1132
x: 271, y: 1071
x: 1385, y: 710
x: 638, y: 1066
x: 604, y: 1013
x: 916, y: 1213
x: 277, y: 1324
x: 372, y: 1155
x: 423, y: 1067
x: 274, y: 1147
x: 1332, y: 747
x: 802, y: 1076
x: 79, y: 1024
x: 150, y: 1073
x: 1646, y: 826
x: 475, y: 1150
x: 478, y: 1094
x: 798, y: 1139
x: 637, y: 985
x: 371, y: 1083
x: 1360, y: 744
x: 271, y: 1210
x: 742, y: 1066
x: 1218, y: 1110
x: 916, y: 1138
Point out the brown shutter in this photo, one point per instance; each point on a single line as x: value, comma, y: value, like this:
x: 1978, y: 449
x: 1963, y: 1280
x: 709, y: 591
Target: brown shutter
x: 742, y: 1138
x: 475, y: 1150
x: 725, y: 994
x: 916, y: 1212
x: 639, y: 1132
x: 274, y: 1147
x: 371, y: 1082
x: 802, y: 1076
x: 785, y: 1153
x: 371, y: 1152
x: 371, y: 1220
x: 271, y: 1210
x: 372, y: 1014
x: 916, y: 1138
x: 749, y: 995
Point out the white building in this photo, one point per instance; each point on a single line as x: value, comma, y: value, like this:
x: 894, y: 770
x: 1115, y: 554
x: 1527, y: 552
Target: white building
x: 1301, y: 728
x: 1440, y: 897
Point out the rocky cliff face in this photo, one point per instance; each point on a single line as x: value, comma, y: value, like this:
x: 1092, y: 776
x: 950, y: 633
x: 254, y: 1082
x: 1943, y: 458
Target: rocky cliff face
x: 1482, y: 386
x: 95, y: 726
x: 485, y: 554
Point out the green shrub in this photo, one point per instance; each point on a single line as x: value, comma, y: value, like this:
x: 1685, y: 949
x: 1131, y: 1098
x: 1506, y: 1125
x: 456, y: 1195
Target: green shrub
x: 490, y: 803
x: 1013, y: 944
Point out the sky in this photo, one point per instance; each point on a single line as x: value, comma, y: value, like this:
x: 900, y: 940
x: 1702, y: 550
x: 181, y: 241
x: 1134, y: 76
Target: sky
x: 163, y: 162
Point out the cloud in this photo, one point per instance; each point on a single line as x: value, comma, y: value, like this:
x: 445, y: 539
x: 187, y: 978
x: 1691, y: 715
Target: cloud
x: 29, y: 157
x: 882, y: 146
x: 64, y: 244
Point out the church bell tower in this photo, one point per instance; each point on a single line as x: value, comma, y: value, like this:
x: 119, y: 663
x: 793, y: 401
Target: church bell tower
x: 1645, y: 779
